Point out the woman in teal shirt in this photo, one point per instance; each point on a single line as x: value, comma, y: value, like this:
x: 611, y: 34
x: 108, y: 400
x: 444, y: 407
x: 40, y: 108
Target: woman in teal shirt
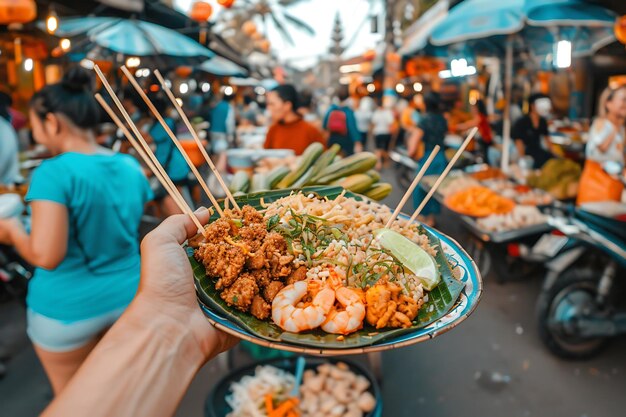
x: 86, y: 205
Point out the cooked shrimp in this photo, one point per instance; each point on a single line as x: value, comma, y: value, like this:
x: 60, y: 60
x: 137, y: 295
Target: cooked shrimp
x: 297, y: 319
x: 349, y: 317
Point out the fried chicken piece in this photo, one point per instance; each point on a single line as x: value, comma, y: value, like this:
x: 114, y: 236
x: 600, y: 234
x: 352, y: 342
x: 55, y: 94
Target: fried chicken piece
x: 253, y: 236
x: 271, y: 290
x: 241, y: 293
x: 298, y: 274
x: 274, y: 242
x: 251, y: 215
x: 217, y: 231
x: 261, y: 276
x: 260, y: 308
x: 257, y: 261
x: 280, y: 265
x: 222, y: 261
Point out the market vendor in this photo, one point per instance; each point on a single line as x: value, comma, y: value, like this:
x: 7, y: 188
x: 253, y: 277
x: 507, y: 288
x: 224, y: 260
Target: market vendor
x: 605, y: 147
x: 289, y: 130
x: 530, y: 132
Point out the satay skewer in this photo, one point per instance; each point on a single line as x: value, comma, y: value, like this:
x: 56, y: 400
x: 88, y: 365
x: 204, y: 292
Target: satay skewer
x: 194, y: 134
x: 411, y: 188
x: 445, y: 172
x: 147, y: 155
x: 172, y: 136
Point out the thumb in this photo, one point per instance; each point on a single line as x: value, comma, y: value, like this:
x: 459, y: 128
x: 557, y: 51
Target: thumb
x: 178, y: 228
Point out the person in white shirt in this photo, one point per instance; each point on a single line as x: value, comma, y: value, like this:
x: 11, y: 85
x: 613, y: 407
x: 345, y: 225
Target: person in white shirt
x: 383, y: 121
x: 363, y: 116
x: 605, y: 150
x: 9, y: 163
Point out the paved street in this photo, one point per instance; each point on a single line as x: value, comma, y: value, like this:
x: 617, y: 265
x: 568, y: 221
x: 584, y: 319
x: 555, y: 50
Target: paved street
x: 493, y: 365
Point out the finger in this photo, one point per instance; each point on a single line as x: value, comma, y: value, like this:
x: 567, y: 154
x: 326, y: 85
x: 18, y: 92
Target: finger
x: 179, y: 227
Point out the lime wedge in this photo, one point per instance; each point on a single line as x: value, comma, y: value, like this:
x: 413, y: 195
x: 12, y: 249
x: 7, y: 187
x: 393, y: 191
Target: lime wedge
x: 411, y: 256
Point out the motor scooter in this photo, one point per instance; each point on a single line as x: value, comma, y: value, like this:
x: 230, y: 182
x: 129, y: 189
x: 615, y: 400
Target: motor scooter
x: 578, y: 309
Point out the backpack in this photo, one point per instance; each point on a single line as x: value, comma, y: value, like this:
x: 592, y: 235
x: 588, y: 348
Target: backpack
x: 338, y: 122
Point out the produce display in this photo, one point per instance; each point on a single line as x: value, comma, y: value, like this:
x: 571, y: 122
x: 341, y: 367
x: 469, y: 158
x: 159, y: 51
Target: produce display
x: 323, y: 266
x: 521, y: 194
x: 488, y: 174
x: 315, y: 166
x: 332, y: 390
x: 479, y: 202
x: 559, y: 177
x: 520, y: 217
x: 456, y: 183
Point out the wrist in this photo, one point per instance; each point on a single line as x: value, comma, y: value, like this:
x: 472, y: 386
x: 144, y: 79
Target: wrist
x: 176, y: 322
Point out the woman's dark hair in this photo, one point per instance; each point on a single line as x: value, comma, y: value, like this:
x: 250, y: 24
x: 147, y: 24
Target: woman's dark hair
x: 432, y: 101
x: 71, y: 97
x: 287, y: 92
x: 482, y: 107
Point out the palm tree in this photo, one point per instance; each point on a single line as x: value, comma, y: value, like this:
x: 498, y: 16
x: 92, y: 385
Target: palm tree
x: 274, y: 11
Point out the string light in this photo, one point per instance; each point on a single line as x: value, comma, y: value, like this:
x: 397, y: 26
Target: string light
x: 205, y: 87
x: 418, y: 87
x: 183, y: 88
x: 52, y: 21
x: 28, y: 64
x: 228, y: 91
x: 371, y: 88
x: 65, y: 44
x: 133, y: 62
x: 400, y: 88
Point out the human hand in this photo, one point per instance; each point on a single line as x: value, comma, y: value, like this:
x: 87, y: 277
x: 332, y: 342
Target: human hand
x: 358, y: 147
x: 167, y: 287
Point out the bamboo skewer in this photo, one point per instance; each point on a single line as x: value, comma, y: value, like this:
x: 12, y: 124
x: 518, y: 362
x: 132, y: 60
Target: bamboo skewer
x: 172, y: 136
x: 148, y: 156
x: 456, y: 156
x: 411, y: 188
x: 194, y: 134
x: 165, y: 181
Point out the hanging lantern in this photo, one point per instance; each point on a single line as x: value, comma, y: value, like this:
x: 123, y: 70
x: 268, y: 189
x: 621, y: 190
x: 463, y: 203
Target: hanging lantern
x: 17, y: 11
x: 226, y: 3
x: 184, y: 71
x: 249, y: 28
x: 369, y: 55
x: 201, y: 11
x: 620, y: 29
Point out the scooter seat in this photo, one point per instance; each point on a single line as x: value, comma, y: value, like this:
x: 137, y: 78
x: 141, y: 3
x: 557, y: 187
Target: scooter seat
x: 612, y: 226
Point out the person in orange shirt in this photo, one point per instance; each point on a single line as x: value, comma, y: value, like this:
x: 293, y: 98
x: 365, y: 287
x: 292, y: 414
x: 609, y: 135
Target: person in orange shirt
x: 288, y: 130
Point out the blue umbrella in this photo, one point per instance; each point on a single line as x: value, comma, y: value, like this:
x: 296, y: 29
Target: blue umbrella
x: 478, y: 19
x: 222, y: 67
x: 587, y: 26
x: 133, y: 37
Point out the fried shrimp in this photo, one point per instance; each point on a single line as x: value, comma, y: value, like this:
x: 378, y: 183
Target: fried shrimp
x: 298, y: 319
x: 349, y: 316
